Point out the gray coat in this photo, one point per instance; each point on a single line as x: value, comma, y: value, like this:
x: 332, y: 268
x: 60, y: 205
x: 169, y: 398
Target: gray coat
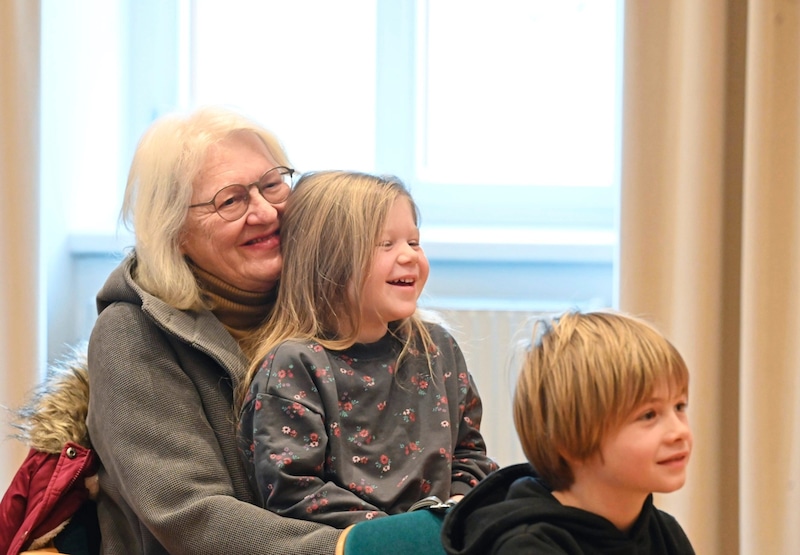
x: 161, y: 420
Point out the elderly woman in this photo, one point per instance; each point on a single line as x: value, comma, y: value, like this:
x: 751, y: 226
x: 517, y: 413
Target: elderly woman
x: 205, y: 194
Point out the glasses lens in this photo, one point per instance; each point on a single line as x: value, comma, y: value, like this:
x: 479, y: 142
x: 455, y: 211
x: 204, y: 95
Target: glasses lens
x: 231, y: 202
x: 275, y: 185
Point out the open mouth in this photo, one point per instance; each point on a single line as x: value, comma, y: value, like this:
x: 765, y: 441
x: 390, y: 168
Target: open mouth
x: 403, y: 282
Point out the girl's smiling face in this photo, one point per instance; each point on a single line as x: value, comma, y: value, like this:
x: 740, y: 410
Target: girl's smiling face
x: 397, y: 276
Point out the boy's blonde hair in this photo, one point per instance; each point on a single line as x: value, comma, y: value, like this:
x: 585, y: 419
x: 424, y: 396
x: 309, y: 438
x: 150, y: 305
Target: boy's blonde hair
x: 582, y: 376
x: 167, y: 161
x: 329, y: 232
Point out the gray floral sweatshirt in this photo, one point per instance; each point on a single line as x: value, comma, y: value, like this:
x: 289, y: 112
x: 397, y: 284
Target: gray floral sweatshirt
x: 343, y: 436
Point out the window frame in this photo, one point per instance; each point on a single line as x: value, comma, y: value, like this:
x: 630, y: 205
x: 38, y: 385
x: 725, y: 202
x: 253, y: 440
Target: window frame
x: 547, y: 208
x: 548, y: 236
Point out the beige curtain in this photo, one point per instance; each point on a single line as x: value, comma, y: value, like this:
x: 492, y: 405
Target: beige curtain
x: 710, y: 249
x: 19, y: 221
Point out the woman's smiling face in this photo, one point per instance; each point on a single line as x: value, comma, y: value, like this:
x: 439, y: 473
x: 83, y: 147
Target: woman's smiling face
x: 244, y: 253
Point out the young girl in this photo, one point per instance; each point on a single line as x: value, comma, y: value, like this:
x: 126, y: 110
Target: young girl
x: 358, y: 408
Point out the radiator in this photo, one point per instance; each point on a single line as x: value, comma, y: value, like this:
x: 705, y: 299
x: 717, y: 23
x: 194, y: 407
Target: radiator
x: 488, y: 339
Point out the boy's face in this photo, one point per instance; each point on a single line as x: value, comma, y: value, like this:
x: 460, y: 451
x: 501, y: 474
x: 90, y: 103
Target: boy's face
x: 649, y: 452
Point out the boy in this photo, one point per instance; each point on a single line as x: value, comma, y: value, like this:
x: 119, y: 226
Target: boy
x: 600, y: 409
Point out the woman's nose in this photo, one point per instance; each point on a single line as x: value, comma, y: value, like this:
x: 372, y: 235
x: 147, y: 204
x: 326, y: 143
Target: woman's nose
x: 259, y: 210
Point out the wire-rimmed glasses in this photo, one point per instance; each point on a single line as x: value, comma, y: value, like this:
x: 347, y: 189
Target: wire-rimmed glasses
x: 231, y: 202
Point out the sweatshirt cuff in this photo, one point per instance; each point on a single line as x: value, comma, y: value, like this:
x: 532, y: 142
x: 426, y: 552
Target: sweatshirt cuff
x: 460, y: 488
x: 342, y: 539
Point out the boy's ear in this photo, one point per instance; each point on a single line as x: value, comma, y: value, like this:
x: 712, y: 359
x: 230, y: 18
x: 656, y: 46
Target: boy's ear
x: 568, y: 460
x: 574, y: 462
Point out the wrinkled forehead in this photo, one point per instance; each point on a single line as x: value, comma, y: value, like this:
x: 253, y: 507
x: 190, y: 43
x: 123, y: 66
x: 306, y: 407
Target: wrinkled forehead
x: 239, y: 158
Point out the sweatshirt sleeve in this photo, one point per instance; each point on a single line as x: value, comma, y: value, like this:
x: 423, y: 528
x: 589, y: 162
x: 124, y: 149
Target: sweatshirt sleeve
x: 470, y: 461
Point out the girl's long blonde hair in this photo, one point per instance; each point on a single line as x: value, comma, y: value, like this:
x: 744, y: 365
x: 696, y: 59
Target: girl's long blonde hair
x: 329, y: 232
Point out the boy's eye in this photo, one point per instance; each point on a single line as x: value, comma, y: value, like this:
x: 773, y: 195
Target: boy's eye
x: 413, y: 243
x: 648, y: 415
x: 682, y: 406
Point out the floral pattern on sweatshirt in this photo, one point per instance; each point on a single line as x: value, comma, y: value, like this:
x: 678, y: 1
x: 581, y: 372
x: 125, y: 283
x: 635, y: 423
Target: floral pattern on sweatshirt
x: 345, y: 436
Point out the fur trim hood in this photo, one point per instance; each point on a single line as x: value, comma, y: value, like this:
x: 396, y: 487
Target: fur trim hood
x: 56, y: 411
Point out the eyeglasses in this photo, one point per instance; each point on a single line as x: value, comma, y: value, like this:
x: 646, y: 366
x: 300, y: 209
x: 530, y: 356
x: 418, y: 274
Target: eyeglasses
x: 231, y: 202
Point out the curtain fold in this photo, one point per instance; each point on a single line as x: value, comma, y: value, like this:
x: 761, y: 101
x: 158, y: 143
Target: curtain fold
x: 709, y: 244
x: 19, y: 221
x: 770, y: 411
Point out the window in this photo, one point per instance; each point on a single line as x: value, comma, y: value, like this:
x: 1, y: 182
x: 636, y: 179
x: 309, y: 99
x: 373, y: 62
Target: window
x: 503, y: 118
x: 503, y: 121
x: 512, y: 109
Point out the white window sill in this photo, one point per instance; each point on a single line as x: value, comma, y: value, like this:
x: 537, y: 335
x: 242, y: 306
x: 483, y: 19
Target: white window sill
x: 446, y: 243
x: 519, y: 245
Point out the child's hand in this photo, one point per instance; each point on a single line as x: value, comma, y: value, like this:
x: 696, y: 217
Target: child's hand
x: 92, y: 484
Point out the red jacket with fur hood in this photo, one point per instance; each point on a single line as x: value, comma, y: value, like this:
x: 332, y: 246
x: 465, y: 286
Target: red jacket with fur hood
x: 50, y: 486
